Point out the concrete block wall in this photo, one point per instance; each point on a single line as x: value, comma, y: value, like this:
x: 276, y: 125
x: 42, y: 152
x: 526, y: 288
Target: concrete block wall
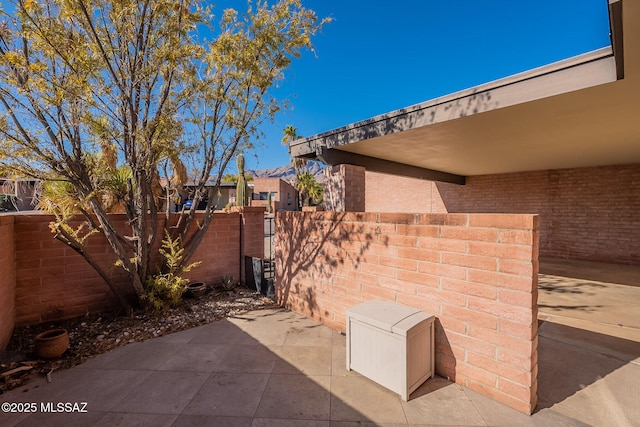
x: 344, y: 188
x: 477, y: 273
x: 41, y: 279
x: 7, y: 278
x: 585, y: 213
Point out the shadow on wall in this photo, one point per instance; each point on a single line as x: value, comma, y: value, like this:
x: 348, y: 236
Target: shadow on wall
x: 320, y: 248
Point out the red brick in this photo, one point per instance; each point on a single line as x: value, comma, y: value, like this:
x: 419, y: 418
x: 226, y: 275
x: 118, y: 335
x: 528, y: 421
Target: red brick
x: 469, y: 233
x: 418, y: 254
x: 494, y: 366
x: 466, y: 288
x: 394, y: 240
x: 418, y: 230
x: 381, y: 249
x: 398, y: 285
x: 518, y: 237
x: 378, y: 270
x: 509, y: 281
x: 443, y: 270
x: 477, y: 374
x: 443, y: 219
x: 424, y: 304
x: 517, y: 391
x: 471, y: 261
x: 502, y: 251
x: 379, y: 292
x: 485, y: 320
x: 517, y: 329
x: 523, y: 222
x: 442, y: 296
x: 418, y: 278
x: 500, y: 340
x: 504, y: 311
x: 520, y: 268
x: 397, y: 218
x: 517, y: 298
x: 445, y: 245
x: 403, y: 264
x: 472, y: 343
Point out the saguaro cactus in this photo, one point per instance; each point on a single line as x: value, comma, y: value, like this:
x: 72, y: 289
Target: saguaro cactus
x: 241, y: 186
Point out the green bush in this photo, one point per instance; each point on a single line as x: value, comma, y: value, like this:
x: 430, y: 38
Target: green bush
x: 166, y: 288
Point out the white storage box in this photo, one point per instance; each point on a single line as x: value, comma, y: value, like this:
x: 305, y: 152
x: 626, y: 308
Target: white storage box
x: 391, y: 344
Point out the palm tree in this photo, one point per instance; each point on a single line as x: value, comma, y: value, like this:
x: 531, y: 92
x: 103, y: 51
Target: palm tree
x: 290, y: 134
x: 310, y: 190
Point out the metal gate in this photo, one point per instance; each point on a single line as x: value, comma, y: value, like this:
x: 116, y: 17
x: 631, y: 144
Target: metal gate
x: 269, y: 253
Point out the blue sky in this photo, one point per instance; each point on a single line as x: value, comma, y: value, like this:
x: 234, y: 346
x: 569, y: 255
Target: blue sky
x: 379, y: 56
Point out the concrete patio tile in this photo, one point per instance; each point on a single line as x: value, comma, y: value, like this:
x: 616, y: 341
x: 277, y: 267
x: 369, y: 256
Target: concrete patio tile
x: 196, y: 358
x: 280, y: 319
x: 208, y: 420
x: 263, y: 335
x: 135, y: 420
x: 302, y: 360
x: 147, y: 355
x: 37, y: 390
x: 101, y: 389
x: 278, y: 422
x: 181, y: 337
x: 441, y: 402
x: 355, y: 398
x: 309, y: 333
x: 228, y: 394
x: 593, y: 388
x: 61, y: 419
x: 247, y: 359
x: 359, y: 424
x: 162, y: 393
x: 220, y: 332
x: 498, y: 415
x: 296, y: 397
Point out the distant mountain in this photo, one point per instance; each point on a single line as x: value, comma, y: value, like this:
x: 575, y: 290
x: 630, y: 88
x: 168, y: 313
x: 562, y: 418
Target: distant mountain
x: 287, y: 173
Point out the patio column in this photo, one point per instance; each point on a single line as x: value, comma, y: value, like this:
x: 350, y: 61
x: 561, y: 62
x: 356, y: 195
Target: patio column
x: 344, y: 188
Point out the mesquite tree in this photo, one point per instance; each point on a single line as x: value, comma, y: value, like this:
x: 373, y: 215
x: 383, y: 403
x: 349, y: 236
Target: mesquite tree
x: 98, y: 97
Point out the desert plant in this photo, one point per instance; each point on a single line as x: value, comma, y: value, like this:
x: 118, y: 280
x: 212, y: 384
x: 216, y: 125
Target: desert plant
x: 228, y: 282
x: 241, y: 186
x: 166, y: 288
x: 86, y: 87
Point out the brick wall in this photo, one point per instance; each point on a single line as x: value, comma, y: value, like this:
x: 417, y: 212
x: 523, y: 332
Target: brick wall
x: 344, y: 188
x: 585, y: 213
x: 7, y: 279
x: 477, y: 273
x: 52, y: 281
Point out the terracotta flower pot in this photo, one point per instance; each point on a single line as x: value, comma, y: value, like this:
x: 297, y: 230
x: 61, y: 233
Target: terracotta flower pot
x: 52, y: 343
x: 197, y: 289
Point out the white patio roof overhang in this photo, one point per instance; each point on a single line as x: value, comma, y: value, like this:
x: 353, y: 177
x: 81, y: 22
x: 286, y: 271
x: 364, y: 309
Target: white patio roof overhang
x: 583, y: 111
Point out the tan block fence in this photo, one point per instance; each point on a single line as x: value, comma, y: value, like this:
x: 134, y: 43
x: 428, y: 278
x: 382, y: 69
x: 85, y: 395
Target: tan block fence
x: 477, y: 273
x: 41, y: 279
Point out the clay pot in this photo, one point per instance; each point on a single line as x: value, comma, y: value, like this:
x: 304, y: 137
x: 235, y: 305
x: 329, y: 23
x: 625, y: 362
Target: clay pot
x: 52, y: 343
x: 197, y: 289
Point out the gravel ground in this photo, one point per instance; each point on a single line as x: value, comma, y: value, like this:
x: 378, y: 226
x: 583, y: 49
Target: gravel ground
x: 95, y: 334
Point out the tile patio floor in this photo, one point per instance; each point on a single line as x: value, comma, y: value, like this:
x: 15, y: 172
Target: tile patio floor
x: 267, y: 368
x: 278, y: 368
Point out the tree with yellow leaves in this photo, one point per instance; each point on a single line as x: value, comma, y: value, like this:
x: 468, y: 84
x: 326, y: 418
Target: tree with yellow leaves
x: 100, y: 95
